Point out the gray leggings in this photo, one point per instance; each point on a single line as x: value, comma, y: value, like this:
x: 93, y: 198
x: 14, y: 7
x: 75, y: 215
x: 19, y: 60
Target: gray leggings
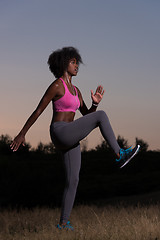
x: 66, y: 137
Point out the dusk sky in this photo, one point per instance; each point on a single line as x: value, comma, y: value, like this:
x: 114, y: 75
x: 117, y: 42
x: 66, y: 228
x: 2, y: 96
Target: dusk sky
x: 119, y: 41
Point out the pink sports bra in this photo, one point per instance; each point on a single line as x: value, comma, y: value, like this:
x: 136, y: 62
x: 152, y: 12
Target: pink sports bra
x: 68, y: 102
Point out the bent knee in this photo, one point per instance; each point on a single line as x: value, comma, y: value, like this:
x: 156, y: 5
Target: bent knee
x: 102, y: 114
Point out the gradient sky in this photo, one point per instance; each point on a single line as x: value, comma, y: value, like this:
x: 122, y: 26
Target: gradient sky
x: 119, y: 41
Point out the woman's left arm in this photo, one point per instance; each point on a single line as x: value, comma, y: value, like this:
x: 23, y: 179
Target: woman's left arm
x: 96, y: 98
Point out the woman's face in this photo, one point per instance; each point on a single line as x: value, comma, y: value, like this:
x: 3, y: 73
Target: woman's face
x: 73, y: 67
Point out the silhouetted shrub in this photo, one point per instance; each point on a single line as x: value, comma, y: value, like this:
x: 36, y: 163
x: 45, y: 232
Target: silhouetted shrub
x: 45, y: 148
x: 144, y: 145
x: 123, y: 143
x: 5, y: 141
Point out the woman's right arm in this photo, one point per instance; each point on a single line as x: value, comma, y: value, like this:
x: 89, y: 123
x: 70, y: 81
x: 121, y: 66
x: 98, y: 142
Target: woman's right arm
x: 48, y: 96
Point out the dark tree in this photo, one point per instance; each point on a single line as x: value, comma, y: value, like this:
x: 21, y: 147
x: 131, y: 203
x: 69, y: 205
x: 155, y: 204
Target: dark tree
x: 45, y: 148
x: 144, y: 145
x: 103, y: 146
x: 123, y: 143
x: 5, y: 141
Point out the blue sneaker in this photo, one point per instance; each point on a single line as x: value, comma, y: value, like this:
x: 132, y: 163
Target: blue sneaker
x: 126, y: 155
x: 67, y: 226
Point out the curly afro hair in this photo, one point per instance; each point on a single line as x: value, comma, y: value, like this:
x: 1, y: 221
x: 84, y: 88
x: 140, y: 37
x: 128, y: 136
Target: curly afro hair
x: 58, y: 60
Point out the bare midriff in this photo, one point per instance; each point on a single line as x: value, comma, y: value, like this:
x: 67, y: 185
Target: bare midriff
x: 63, y: 116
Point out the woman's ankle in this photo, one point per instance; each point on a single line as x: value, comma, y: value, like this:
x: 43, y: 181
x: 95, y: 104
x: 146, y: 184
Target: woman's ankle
x: 118, y: 155
x: 62, y: 223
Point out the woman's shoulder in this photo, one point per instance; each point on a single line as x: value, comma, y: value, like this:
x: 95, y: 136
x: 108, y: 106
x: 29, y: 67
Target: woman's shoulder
x: 56, y: 88
x: 56, y: 84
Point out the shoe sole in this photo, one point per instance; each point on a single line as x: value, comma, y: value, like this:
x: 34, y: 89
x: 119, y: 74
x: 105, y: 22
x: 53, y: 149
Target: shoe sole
x: 138, y: 147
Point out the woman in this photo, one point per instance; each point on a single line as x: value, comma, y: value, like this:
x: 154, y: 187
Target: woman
x: 64, y: 130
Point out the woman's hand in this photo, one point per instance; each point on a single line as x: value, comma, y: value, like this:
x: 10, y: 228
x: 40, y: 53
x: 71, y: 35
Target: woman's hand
x: 19, y: 139
x: 97, y: 97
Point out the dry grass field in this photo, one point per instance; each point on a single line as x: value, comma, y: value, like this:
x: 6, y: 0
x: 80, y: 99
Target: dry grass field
x: 119, y: 221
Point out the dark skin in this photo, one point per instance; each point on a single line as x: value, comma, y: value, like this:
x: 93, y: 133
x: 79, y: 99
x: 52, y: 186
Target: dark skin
x: 54, y: 92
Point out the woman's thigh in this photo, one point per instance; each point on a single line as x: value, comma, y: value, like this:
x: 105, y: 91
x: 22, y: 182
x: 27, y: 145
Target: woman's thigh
x: 69, y: 134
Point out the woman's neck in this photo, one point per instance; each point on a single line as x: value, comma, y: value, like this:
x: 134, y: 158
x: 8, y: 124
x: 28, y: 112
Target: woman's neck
x: 67, y: 78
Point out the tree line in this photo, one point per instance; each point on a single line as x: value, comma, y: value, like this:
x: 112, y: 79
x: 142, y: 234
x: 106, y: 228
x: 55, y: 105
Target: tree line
x: 35, y: 176
x: 5, y: 141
